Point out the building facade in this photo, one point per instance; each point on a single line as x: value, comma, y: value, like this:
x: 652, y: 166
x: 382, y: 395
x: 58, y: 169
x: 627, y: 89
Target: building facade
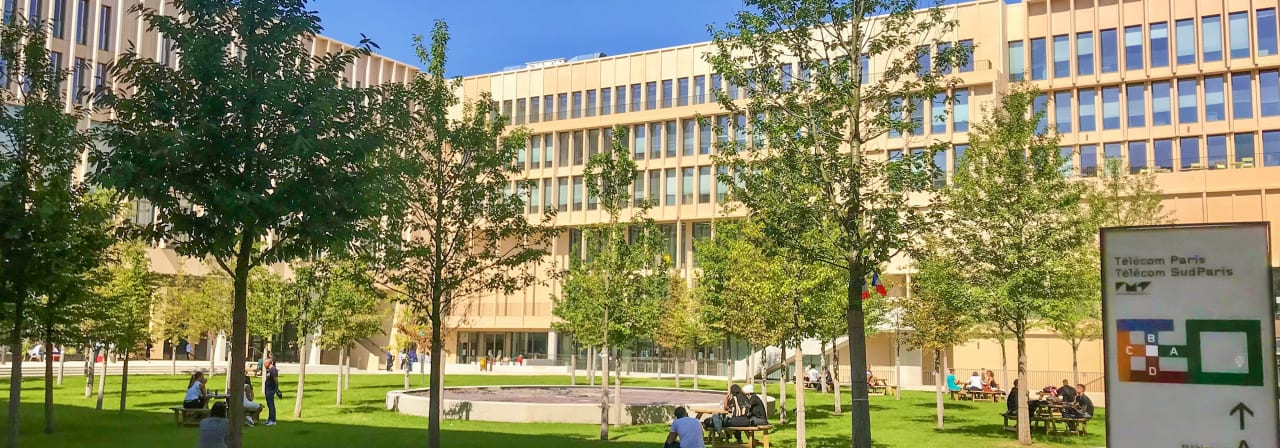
x: 1188, y: 90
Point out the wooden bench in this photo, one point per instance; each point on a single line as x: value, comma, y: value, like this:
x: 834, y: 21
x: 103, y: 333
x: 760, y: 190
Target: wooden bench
x: 750, y: 431
x: 188, y: 417
x: 880, y: 387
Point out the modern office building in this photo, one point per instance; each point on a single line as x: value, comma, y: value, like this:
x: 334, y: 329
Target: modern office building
x: 1188, y: 90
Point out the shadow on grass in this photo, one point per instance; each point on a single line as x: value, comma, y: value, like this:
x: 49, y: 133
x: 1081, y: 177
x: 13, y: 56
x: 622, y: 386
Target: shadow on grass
x: 947, y: 405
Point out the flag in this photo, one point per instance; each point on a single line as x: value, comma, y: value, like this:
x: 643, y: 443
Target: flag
x: 875, y: 283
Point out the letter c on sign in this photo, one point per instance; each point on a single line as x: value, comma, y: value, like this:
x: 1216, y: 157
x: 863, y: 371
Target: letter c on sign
x: 1128, y: 350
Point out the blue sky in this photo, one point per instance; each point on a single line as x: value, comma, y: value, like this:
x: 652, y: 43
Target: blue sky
x: 489, y: 35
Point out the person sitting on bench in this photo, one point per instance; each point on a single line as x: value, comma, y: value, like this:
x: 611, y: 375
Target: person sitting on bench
x: 249, y: 406
x: 686, y: 432
x: 755, y: 407
x: 814, y: 378
x: 975, y: 382
x: 197, y: 397
x: 736, y: 403
x: 953, y: 384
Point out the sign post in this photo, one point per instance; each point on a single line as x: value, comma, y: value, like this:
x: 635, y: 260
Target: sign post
x: 1188, y: 324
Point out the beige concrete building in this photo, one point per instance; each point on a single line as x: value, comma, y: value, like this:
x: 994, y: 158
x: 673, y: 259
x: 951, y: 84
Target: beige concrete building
x: 1188, y: 90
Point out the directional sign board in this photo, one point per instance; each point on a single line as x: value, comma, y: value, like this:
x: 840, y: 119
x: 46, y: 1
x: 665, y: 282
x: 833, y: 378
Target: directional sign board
x: 1190, y: 339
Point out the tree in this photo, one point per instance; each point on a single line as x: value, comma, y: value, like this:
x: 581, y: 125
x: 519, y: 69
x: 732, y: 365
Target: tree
x: 251, y: 137
x: 937, y: 313
x: 351, y: 313
x: 1013, y: 216
x: 171, y: 312
x: 466, y: 235
x: 681, y: 327
x: 126, y: 296
x: 624, y: 278
x: 44, y: 209
x: 808, y: 166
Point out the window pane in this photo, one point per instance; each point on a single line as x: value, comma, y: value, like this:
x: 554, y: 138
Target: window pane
x: 686, y: 186
x: 548, y: 150
x: 968, y: 64
x: 704, y: 138
x: 1040, y: 108
x: 1137, y: 157
x: 671, y: 138
x: 1186, y: 41
x: 1133, y: 47
x: 1271, y: 148
x: 1135, y: 104
x: 784, y: 76
x: 1062, y: 111
x: 1211, y: 38
x: 577, y: 193
x: 606, y: 101
x: 1187, y: 101
x: 1244, y: 150
x: 1016, y: 64
x: 1238, y: 31
x: 651, y: 95
x: 1189, y: 150
x: 637, y: 192
x: 1241, y: 95
x: 655, y: 140
x: 704, y: 184
x: 1037, y: 59
x: 687, y: 130
x: 1163, y: 155
x: 1215, y: 107
x: 562, y: 106
x: 1267, y: 32
x: 562, y: 193
x: 1269, y: 93
x: 577, y: 105
x: 667, y: 93
x: 957, y: 156
x: 740, y: 129
x: 590, y: 108
x: 943, y: 66
x: 960, y: 114
x: 922, y: 60
x: 939, y: 169
x: 938, y: 112
x: 655, y: 187
x: 636, y: 98
x: 722, y: 187
x: 670, y: 188
x: 1084, y: 53
x: 699, y: 89
x: 1061, y: 56
x: 1110, y: 56
x: 1067, y: 165
x: 1216, y: 148
x: 638, y: 145
x: 578, y: 148
x: 1112, y: 154
x: 1111, y: 107
x: 1089, y: 160
x: 917, y: 116
x: 1160, y: 104
x: 593, y: 143
x: 1088, y: 118
x: 1159, y: 44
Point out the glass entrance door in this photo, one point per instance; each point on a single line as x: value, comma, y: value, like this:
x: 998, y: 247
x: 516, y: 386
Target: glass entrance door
x: 494, y: 344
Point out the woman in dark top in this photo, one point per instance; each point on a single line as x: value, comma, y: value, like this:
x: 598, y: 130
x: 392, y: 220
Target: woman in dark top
x: 272, y: 390
x: 755, y: 407
x: 737, y: 404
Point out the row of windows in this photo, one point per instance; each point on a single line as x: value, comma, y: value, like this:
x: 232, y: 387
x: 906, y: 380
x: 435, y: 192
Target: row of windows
x: 79, y: 74
x: 937, y: 111
x: 677, y: 243
x: 1127, y: 105
x: 1245, y: 37
x: 58, y: 19
x: 606, y: 101
x: 672, y: 186
x: 687, y: 137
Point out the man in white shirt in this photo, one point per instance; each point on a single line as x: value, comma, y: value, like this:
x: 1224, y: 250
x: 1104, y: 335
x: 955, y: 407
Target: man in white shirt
x: 686, y: 432
x: 975, y: 382
x: 814, y: 377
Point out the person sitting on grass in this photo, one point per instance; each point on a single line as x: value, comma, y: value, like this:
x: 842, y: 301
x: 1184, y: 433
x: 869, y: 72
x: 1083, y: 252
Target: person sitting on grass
x: 197, y: 397
x: 213, y: 430
x: 686, y: 432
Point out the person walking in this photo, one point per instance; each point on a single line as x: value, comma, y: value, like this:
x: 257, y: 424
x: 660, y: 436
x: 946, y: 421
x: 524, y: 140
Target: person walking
x: 272, y: 390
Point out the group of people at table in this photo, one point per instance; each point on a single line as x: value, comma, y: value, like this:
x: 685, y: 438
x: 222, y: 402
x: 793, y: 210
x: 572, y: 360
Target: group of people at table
x: 213, y: 429
x: 742, y: 407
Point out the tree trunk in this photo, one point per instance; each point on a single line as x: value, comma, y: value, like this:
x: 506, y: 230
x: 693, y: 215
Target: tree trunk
x: 342, y: 362
x: 1075, y: 365
x: 675, y: 365
x: 591, y: 365
x: 15, y: 370
x: 573, y: 368
x: 213, y: 360
x: 173, y: 357
x: 835, y: 377
x: 1024, y: 420
x: 800, y: 422
x: 48, y: 379
x: 897, y: 365
x: 346, y: 368
x: 859, y: 409
x: 1004, y: 363
x: 90, y: 366
x: 124, y: 381
x: 938, y: 382
x: 407, y: 370
x: 823, y: 357
x: 604, y: 394
x: 437, y: 371
x: 102, y: 381
x: 695, y: 373
x: 617, y: 391
x: 302, y: 375
x: 62, y: 365
x: 239, y: 337
x: 782, y: 387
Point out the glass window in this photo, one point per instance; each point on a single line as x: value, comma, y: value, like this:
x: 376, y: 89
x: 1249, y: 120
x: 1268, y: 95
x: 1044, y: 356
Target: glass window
x: 1061, y: 56
x: 1110, y: 55
x: 638, y: 146
x: 1135, y: 104
x: 562, y: 194
x: 704, y: 137
x: 593, y: 143
x: 1111, y: 107
x: 1017, y: 66
x: 699, y: 89
x: 939, y: 169
x: 637, y: 192
x: 1133, y: 47
x: 82, y: 22
x: 620, y: 103
x: 957, y: 156
x: 938, y: 110
x: 606, y: 105
x: 636, y: 99
x: 740, y: 129
x: 1137, y: 157
x: 576, y: 107
x: 1266, y: 32
x: 1189, y: 150
x: 1216, y: 150
x: 1084, y: 53
x: 1067, y: 165
x: 1269, y: 93
x: 563, y: 149
x: 671, y: 138
x: 922, y: 61
x: 548, y: 193
x: 59, y: 19
x: 1241, y: 95
x: 1185, y: 35
x: 1062, y: 111
x: 917, y: 116
x: 716, y: 83
x: 1271, y: 148
x: 704, y: 184
x: 1161, y: 114
x: 1211, y: 38
x: 1159, y: 44
x: 655, y: 140
x: 944, y: 66
x: 535, y: 198
x: 651, y: 95
x: 1244, y: 150
x: 1238, y: 34
x: 667, y: 93
x: 1187, y: 101
x: 578, y: 146
x: 1215, y: 107
x: 1163, y: 155
x: 104, y: 28
x: 577, y: 193
x: 670, y: 188
x: 866, y: 70
x: 562, y: 106
x: 960, y: 112
x: 655, y: 187
x: 590, y: 108
x: 968, y: 63
x: 1038, y: 59
x: 722, y: 187
x: 687, y: 131
x: 686, y: 186
x: 1086, y: 101
x: 682, y: 92
x: 1089, y: 160
x: 1040, y: 109
x: 1111, y: 152
x: 535, y: 152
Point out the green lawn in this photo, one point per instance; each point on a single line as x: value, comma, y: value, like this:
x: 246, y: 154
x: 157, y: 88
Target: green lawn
x: 363, y: 422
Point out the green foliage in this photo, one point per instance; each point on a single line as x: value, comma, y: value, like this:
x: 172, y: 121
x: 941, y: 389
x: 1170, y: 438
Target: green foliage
x: 681, y: 325
x: 941, y: 307
x: 1120, y: 199
x: 271, y: 303
x: 351, y: 306
x: 191, y: 307
x: 126, y: 296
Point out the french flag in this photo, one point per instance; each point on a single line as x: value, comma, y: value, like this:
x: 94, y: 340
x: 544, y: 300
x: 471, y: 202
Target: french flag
x: 875, y: 283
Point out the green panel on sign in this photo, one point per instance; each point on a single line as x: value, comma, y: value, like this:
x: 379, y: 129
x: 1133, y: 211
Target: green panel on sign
x: 1230, y: 352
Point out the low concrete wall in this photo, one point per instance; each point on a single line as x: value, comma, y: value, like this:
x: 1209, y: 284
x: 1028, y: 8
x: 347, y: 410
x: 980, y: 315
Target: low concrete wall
x: 417, y: 402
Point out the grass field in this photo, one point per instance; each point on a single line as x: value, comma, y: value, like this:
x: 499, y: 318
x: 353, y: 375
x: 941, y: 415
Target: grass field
x: 363, y: 422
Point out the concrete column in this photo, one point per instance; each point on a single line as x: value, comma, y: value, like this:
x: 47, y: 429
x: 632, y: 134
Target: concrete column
x: 553, y: 344
x: 220, y: 347
x: 313, y: 352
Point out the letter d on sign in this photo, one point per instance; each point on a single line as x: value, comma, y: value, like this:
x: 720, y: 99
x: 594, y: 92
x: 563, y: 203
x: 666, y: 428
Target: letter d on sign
x: 1151, y: 371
